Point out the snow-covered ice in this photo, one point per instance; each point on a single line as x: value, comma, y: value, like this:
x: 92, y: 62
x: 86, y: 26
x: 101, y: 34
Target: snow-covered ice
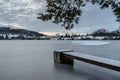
x: 90, y: 42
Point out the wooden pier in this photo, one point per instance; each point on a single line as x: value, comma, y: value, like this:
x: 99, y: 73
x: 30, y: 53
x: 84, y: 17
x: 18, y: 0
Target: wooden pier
x: 68, y: 56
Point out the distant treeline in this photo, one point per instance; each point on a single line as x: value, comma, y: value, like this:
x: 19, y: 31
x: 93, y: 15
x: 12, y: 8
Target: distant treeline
x: 100, y: 34
x: 9, y: 33
x: 105, y: 32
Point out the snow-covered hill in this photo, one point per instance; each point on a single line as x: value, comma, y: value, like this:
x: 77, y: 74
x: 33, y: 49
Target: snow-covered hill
x: 14, y: 33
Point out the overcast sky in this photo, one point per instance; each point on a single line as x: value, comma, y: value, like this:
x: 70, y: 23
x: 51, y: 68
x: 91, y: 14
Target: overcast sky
x: 23, y: 14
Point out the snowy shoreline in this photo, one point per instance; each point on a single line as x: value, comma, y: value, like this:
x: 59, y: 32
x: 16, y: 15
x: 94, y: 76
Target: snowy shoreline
x: 90, y: 42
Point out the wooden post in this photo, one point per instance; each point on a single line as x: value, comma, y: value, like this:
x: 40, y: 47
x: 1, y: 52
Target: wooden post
x: 59, y: 57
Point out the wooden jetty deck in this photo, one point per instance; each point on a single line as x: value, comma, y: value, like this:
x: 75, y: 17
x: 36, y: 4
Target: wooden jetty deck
x: 68, y: 56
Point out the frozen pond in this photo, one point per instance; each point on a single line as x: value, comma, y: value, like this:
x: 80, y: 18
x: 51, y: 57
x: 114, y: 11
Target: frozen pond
x: 33, y: 60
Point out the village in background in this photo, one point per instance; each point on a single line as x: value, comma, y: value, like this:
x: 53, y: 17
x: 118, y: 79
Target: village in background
x: 8, y: 33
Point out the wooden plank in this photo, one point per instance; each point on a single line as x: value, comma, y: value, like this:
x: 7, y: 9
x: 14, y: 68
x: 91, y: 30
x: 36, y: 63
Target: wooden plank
x: 99, y: 61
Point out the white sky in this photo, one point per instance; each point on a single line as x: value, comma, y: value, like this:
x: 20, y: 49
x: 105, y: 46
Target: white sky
x: 23, y: 14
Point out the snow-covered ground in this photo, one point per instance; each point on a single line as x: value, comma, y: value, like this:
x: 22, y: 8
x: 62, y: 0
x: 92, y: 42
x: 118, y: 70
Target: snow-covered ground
x: 90, y: 42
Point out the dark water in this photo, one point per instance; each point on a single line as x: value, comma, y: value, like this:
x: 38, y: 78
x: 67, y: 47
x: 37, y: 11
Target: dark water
x: 33, y: 60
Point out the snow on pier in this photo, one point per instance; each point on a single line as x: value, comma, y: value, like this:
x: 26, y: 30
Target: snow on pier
x: 67, y: 57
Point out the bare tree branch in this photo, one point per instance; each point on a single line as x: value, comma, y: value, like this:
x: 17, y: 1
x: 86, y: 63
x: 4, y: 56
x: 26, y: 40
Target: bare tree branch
x: 68, y: 12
